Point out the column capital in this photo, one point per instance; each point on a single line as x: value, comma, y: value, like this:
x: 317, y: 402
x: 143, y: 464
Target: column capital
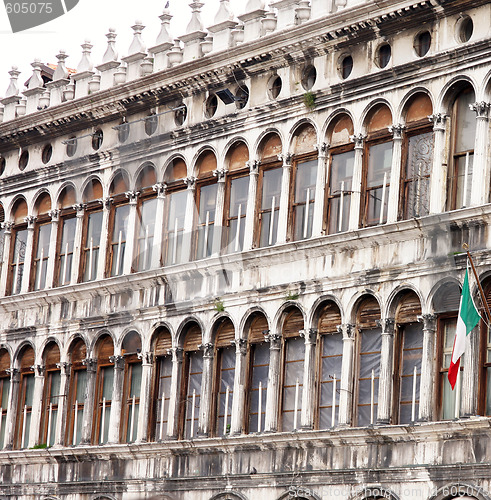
x: 132, y: 196
x: 64, y: 367
x: 160, y: 188
x: 7, y: 226
x: 253, y: 166
x: 439, y: 120
x: 54, y: 214
x: 220, y: 174
x: 91, y: 364
x: 396, y: 130
x: 38, y: 370
x: 347, y: 330
x: 387, y: 325
x: 190, y: 182
x: 146, y: 358
x: 429, y: 322
x: 274, y: 340
x: 106, y: 202
x: 286, y: 158
x: 481, y: 109
x: 207, y: 349
x: 30, y: 219
x: 310, y: 335
x: 359, y: 140
x: 14, y: 374
x: 240, y: 346
x: 176, y: 353
x: 80, y: 209
x: 118, y: 362
x: 322, y: 149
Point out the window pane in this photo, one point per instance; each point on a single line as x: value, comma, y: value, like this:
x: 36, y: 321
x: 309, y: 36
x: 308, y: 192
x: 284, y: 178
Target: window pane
x: 175, y: 226
x: 206, y: 220
x: 41, y: 258
x: 91, y: 247
x: 270, y: 205
x: 448, y: 396
x: 239, y: 188
x: 66, y: 251
x: 108, y: 378
x: 162, y: 403
x: 340, y: 185
x: 136, y: 380
x: 194, y: 388
x: 303, y: 208
x: 466, y: 122
x: 144, y: 250
x: 260, y: 369
x: 18, y: 260
x: 378, y: 179
x: 463, y: 169
x: 226, y: 381
x: 119, y: 239
x: 293, y: 383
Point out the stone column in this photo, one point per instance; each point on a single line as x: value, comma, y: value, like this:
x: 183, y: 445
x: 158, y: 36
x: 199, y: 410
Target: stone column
x: 386, y: 371
x: 77, y: 243
x: 286, y: 158
x: 61, y: 416
x: 130, y: 232
x: 309, y: 374
x: 7, y: 228
x: 105, y: 238
x: 272, y: 396
x: 239, y: 398
x: 470, y: 375
x: 395, y: 172
x: 320, y: 189
x: 145, y: 397
x: 220, y: 174
x: 116, y: 399
x: 187, y: 238
x: 438, y: 179
x: 37, y: 405
x: 159, y: 226
x: 481, y: 167
x: 205, y: 405
x: 428, y: 372
x: 250, y: 222
x: 89, y: 401
x: 13, y: 402
x: 30, y: 219
x: 354, y: 215
x: 346, y: 391
x: 175, y: 392
x: 53, y: 240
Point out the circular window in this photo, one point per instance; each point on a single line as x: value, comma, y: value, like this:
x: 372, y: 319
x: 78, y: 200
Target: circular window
x: 465, y: 28
x: 2, y: 165
x: 241, y: 97
x: 71, y: 146
x: 123, y: 132
x: 383, y: 55
x: 308, y: 78
x: 274, y: 87
x: 23, y: 159
x: 97, y: 138
x: 346, y: 67
x: 151, y: 124
x: 211, y: 105
x: 180, y: 114
x: 47, y: 153
x: 422, y: 43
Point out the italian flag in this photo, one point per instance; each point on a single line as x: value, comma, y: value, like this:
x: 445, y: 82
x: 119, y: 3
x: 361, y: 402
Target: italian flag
x: 468, y: 318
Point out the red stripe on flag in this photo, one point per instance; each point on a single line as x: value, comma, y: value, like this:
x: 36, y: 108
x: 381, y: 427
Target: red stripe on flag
x: 453, y: 371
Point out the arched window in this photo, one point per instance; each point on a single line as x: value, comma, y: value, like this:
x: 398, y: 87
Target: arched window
x: 418, y: 160
x: 51, y: 394
x: 162, y: 384
x: 292, y: 369
x: 91, y: 235
x: 377, y: 167
x: 303, y: 180
x: 484, y: 399
x: 104, y: 390
x: 269, y: 190
x: 408, y: 352
x: 192, y: 367
x: 331, y: 351
x: 224, y: 376
x: 118, y: 224
x: 26, y: 393
x: 4, y: 392
x: 462, y: 150
x: 76, y: 395
x: 257, y: 373
x: 132, y: 387
x: 18, y: 246
x: 42, y: 236
x: 146, y: 214
x: 340, y: 177
x: 66, y: 237
x: 2, y: 235
x: 237, y: 189
x: 369, y: 346
x: 206, y: 196
x: 175, y: 212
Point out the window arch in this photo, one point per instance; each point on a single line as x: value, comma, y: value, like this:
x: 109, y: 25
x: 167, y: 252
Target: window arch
x: 76, y: 393
x: 104, y: 389
x: 4, y: 392
x: 26, y: 392
x: 92, y: 230
x: 18, y: 246
x: 51, y: 393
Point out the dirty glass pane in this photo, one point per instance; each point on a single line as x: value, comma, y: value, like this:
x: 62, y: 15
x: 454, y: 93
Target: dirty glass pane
x: 18, y: 257
x: 466, y: 122
x: 133, y: 400
x: 194, y: 387
x: 340, y: 185
x: 303, y: 203
x: 259, y: 384
x: 144, y: 248
x: 293, y: 383
x: 41, y: 257
x: 464, y: 169
x: 449, y: 396
x: 91, y: 248
x: 331, y: 360
x: 66, y: 251
x: 175, y: 226
x: 270, y: 206
x: 227, y: 374
x: 162, y: 403
x: 239, y: 188
x: 206, y: 220
x: 118, y: 244
x: 5, y: 387
x: 107, y: 382
x: 378, y: 180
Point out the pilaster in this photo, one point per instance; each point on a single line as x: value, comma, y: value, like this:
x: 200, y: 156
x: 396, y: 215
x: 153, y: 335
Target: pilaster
x: 145, y: 397
x: 307, y: 416
x: 61, y: 415
x: 116, y: 399
x: 53, y: 239
x: 427, y: 367
x: 220, y: 174
x: 354, y: 217
x: 106, y: 210
x: 77, y: 244
x: 438, y: 178
x: 130, y: 232
x: 7, y: 228
x: 395, y: 172
x: 346, y: 390
x: 481, y: 167
x: 13, y: 402
x: 286, y: 158
x: 206, y: 390
x: 386, y: 371
x: 89, y: 401
x: 30, y: 219
x: 250, y: 221
x: 320, y: 189
x: 239, y: 399
x: 175, y: 400
x: 272, y: 396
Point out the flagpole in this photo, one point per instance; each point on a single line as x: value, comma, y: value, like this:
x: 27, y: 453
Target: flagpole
x: 465, y: 246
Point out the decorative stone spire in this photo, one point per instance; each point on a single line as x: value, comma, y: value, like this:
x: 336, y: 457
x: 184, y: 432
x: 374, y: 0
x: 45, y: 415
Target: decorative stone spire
x: 254, y: 12
x: 12, y: 96
x: 163, y: 43
x: 110, y: 55
x: 110, y: 61
x: 35, y: 81
x: 136, y: 53
x: 85, y: 63
x: 286, y: 12
x: 224, y: 13
x: 13, y: 88
x: 84, y: 73
x: 195, y: 34
x: 164, y: 35
x: 195, y: 25
x: 253, y: 5
x: 35, y: 88
x: 60, y: 80
x: 61, y: 73
x: 222, y: 29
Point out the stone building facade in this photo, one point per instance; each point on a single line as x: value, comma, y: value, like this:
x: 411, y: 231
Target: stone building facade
x: 231, y: 262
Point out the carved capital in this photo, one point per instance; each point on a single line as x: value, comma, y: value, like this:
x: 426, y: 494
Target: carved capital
x: 396, y: 131
x: 64, y: 368
x: 176, y: 353
x: 106, y: 203
x: 253, y: 166
x: 30, y: 219
x: 146, y: 357
x: 7, y: 226
x: 80, y: 209
x: 54, y: 214
x: 439, y: 120
x: 429, y: 322
x: 190, y: 182
x: 358, y: 139
x: 220, y: 174
x: 207, y: 349
x: 14, y: 374
x: 132, y: 196
x: 387, y: 325
x: 310, y: 335
x: 91, y: 364
x: 118, y: 362
x: 160, y: 188
x: 347, y: 330
x: 481, y: 109
x: 286, y: 158
x: 322, y: 149
x: 240, y: 346
x: 38, y: 370
x: 274, y: 340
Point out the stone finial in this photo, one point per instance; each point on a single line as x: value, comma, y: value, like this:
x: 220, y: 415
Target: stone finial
x: 13, y: 88
x: 85, y: 63
x: 110, y: 55
x: 224, y: 13
x: 137, y: 46
x: 61, y: 73
x: 35, y: 82
x: 195, y: 25
x: 255, y: 5
x: 164, y: 35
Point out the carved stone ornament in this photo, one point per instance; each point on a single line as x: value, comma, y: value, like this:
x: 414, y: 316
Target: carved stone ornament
x: 322, y: 148
x: 90, y: 363
x: 310, y: 335
x: 286, y: 158
x: 387, y: 325
x: 439, y: 120
x: 146, y: 357
x: 207, y: 349
x: 118, y: 362
x: 160, y: 189
x: 220, y: 174
x: 358, y: 139
x: 190, y: 182
x: 240, y: 346
x: 347, y: 330
x: 14, y: 374
x: 176, y: 353
x: 481, y: 109
x: 38, y: 370
x: 253, y: 166
x: 274, y: 340
x: 132, y: 196
x: 80, y: 209
x: 396, y: 130
x: 30, y: 219
x: 64, y: 367
x: 429, y: 322
x: 106, y: 203
x: 54, y: 214
x: 7, y: 226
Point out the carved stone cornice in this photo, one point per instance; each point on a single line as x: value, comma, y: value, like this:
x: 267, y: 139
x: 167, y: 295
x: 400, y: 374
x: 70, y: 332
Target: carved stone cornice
x: 429, y: 322
x: 240, y: 346
x: 310, y: 335
x: 481, y: 109
x: 118, y: 362
x: 160, y: 188
x: 396, y: 131
x: 30, y: 219
x: 80, y: 209
x: 286, y: 158
x: 177, y: 354
x: 64, y: 367
x: 387, y: 325
x: 274, y: 340
x: 190, y: 182
x: 439, y: 120
x: 132, y: 196
x: 91, y: 364
x: 358, y: 139
x: 208, y: 349
x: 220, y: 174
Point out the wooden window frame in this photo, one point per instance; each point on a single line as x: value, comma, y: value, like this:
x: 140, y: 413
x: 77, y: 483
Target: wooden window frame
x: 145, y: 195
x: 172, y: 188
x: 43, y: 220
x: 119, y: 200
x: 73, y: 389
x: 130, y: 361
x: 183, y: 414
x: 154, y: 417
x: 65, y: 214
x: 4, y: 377
x: 231, y: 176
x: 92, y: 207
x: 19, y: 437
x: 97, y: 417
x: 47, y: 396
x: 206, y: 180
x: 12, y: 260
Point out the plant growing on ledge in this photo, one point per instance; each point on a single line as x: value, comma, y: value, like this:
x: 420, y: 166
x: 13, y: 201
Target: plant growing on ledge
x: 291, y: 296
x: 309, y: 100
x: 219, y: 305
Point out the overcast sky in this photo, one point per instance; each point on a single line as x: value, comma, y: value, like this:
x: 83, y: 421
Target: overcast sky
x: 91, y: 19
